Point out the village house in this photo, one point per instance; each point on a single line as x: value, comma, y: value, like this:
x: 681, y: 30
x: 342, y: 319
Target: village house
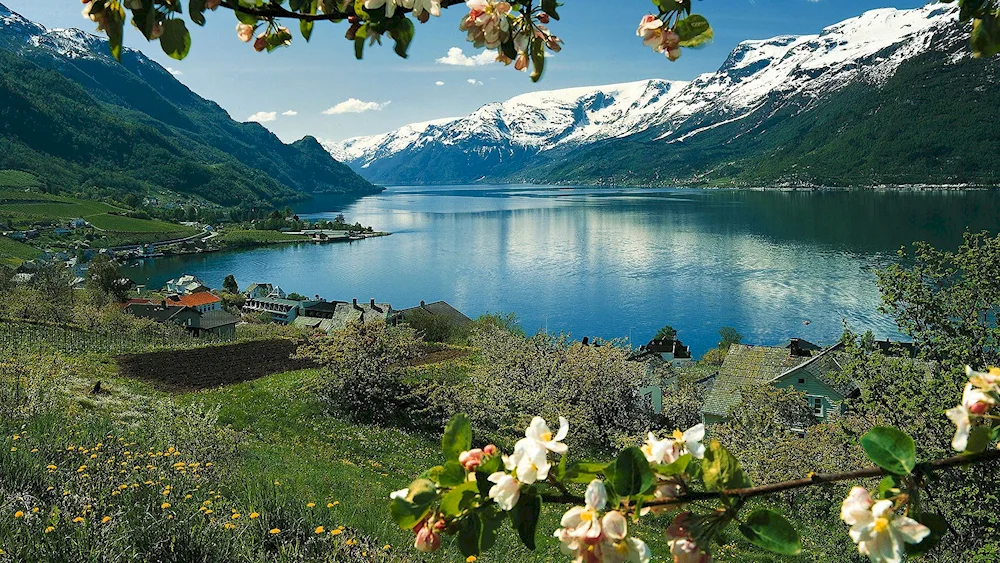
x: 783, y: 366
x: 279, y: 310
x: 213, y: 323
x: 328, y: 316
x: 186, y: 285
x: 439, y: 309
x: 264, y: 290
x: 203, y: 301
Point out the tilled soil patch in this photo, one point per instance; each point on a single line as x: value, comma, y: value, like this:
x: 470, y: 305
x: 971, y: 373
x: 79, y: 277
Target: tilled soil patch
x: 213, y: 366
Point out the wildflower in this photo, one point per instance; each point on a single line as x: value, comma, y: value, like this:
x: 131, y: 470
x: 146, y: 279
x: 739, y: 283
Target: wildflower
x: 310, y: 504
x: 236, y: 515
x: 50, y: 529
x: 34, y: 510
x: 18, y: 514
x: 330, y: 505
x: 274, y: 531
x: 50, y: 467
x: 229, y: 526
x: 320, y: 529
x: 336, y: 532
x: 165, y: 505
x: 470, y: 559
x: 506, y: 491
x: 254, y: 515
x: 105, y: 520
x: 78, y: 520
x: 351, y: 541
x: 878, y: 531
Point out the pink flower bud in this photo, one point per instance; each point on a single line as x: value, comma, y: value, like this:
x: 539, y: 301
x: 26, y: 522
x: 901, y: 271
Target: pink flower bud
x: 490, y: 450
x: 680, y: 528
x: 440, y: 525
x: 260, y: 44
x: 156, y: 32
x: 212, y: 4
x: 543, y: 17
x: 648, y: 18
x: 423, y: 17
x: 244, y: 32
x: 980, y: 408
x: 471, y: 459
x: 427, y: 540
x: 554, y: 43
x: 670, y: 40
x: 522, y: 62
x: 352, y: 32
x: 674, y: 54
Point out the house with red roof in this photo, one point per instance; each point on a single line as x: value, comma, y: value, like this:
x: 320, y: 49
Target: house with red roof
x: 203, y: 301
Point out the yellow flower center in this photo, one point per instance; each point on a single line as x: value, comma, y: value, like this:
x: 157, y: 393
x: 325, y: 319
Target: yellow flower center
x: 678, y: 435
x: 546, y: 437
x: 587, y: 516
x: 881, y: 525
x: 621, y: 547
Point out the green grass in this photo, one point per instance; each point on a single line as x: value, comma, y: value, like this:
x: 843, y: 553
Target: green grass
x: 238, y: 238
x: 27, y: 207
x: 13, y: 252
x: 17, y: 179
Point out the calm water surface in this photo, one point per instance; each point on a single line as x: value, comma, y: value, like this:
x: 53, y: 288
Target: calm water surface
x: 617, y: 263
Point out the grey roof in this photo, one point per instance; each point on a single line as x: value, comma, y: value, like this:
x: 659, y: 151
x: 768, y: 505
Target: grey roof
x: 345, y: 313
x: 215, y: 319
x: 827, y: 368
x: 156, y: 312
x: 439, y: 309
x: 322, y: 307
x: 743, y: 366
x: 275, y: 301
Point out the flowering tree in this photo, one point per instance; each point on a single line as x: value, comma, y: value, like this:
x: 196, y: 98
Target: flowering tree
x: 475, y: 491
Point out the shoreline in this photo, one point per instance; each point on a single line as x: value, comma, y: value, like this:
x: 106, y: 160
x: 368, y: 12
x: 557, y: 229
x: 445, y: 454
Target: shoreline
x: 251, y: 245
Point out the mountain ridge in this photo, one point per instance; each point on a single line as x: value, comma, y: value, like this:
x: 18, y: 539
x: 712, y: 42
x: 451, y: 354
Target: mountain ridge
x: 764, y: 86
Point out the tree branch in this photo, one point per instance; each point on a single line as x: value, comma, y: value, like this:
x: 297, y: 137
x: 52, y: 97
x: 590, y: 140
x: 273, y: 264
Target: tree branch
x: 269, y: 11
x: 812, y: 480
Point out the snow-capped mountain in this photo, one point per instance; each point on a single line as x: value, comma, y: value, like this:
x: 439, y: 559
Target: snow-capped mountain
x: 759, y: 79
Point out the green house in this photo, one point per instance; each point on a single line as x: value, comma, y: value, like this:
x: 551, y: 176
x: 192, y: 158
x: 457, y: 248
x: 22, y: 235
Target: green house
x: 799, y: 365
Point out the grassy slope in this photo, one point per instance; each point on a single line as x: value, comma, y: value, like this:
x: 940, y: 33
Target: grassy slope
x: 13, y: 252
x: 238, y: 238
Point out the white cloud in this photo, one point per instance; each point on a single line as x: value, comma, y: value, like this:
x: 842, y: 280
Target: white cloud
x: 456, y: 57
x: 263, y: 116
x: 439, y: 83
x: 173, y: 71
x: 474, y: 82
x: 290, y: 113
x: 354, y: 105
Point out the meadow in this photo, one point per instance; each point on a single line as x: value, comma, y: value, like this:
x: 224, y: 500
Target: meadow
x: 238, y: 238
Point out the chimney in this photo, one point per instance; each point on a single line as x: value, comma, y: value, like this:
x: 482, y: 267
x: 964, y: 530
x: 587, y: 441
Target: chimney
x: 356, y: 306
x: 373, y: 302
x: 586, y: 341
x: 422, y: 303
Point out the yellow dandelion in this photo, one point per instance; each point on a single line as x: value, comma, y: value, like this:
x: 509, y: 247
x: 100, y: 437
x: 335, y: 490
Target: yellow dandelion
x: 254, y: 515
x: 50, y: 467
x: 336, y: 532
x: 329, y: 505
x: 34, y: 510
x: 274, y: 531
x: 277, y: 483
x: 165, y: 505
x: 49, y: 489
x: 50, y: 529
x: 13, y: 448
x: 236, y: 515
x: 16, y: 437
x: 320, y: 529
x: 34, y: 450
x: 386, y: 547
x: 105, y: 520
x: 470, y: 559
x: 351, y: 542
x: 78, y: 520
x: 207, y: 512
x: 229, y: 526
x: 310, y: 504
x: 18, y: 514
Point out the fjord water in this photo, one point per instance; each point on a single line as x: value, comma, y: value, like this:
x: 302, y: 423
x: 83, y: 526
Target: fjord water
x: 618, y: 262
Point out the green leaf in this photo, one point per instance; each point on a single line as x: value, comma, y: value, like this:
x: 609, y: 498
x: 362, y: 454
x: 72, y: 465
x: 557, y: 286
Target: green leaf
x: 985, y: 36
x: 409, y: 511
x: 246, y: 18
x: 451, y: 474
x: 995, y: 435
x: 490, y: 465
x: 115, y: 28
x: 459, y: 499
x: 525, y: 516
x: 938, y: 526
x: 479, y: 530
x: 306, y: 29
x: 771, y: 531
x: 537, y: 59
x: 549, y: 7
x: 677, y: 467
x: 402, y: 33
x: 890, y: 449
x: 629, y: 474
x: 175, y: 41
x: 469, y: 535
x: 197, y: 10
x: 721, y: 471
x: 583, y: 472
x: 971, y: 9
x: 979, y: 440
x: 457, y: 437
x: 694, y: 31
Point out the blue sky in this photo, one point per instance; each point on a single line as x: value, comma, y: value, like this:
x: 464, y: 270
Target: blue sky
x: 601, y: 48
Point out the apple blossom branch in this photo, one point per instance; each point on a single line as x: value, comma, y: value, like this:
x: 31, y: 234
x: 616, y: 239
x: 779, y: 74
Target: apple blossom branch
x: 270, y: 11
x: 814, y: 479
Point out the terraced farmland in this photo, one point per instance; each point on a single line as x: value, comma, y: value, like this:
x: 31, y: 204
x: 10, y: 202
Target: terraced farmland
x: 25, y: 208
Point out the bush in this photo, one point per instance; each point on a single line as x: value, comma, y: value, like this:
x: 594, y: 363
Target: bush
x: 436, y: 328
x: 364, y: 365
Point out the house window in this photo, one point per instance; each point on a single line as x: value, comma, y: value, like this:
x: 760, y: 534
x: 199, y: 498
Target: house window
x: 801, y: 380
x: 817, y: 406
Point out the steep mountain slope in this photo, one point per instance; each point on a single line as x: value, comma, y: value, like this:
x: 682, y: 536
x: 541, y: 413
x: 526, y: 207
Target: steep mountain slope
x: 499, y: 138
x: 176, y: 139
x: 891, y: 96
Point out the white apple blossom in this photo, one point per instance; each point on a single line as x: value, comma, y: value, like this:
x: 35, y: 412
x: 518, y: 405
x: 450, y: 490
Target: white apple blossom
x: 529, y: 461
x: 669, y: 449
x: 581, y: 525
x: 539, y: 431
x: 400, y: 494
x: 506, y: 490
x: 244, y: 32
x: 617, y: 546
x: 875, y: 527
x: 487, y: 23
x: 390, y: 5
x: 962, y: 419
x: 685, y: 550
x: 432, y: 7
x: 987, y: 381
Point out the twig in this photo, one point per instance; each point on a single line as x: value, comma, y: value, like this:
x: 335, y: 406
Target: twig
x: 812, y: 480
x: 269, y: 11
